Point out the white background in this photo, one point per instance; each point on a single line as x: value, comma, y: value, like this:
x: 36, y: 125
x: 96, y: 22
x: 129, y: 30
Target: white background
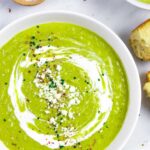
x: 121, y: 17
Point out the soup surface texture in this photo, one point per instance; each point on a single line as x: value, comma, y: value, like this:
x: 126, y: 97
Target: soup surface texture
x: 145, y: 1
x: 62, y: 87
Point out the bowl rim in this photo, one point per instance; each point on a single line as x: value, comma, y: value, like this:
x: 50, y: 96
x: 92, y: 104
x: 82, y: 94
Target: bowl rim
x: 134, y: 106
x: 139, y: 4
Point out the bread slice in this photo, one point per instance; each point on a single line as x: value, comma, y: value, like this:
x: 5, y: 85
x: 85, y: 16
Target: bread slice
x: 148, y: 76
x: 29, y: 2
x: 146, y: 87
x: 140, y: 40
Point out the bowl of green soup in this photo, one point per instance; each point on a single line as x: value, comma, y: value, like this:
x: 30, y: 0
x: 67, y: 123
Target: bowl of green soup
x: 67, y: 82
x: 145, y: 4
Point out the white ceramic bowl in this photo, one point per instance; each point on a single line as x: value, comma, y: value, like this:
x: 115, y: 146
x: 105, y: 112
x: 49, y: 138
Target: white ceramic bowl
x: 139, y: 4
x: 120, y: 48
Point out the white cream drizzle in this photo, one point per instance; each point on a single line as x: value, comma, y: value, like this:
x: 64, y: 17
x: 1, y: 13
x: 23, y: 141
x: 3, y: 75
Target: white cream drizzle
x: 91, y: 68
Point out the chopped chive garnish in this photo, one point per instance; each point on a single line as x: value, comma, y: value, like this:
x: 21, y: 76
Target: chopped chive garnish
x: 32, y: 37
x: 24, y: 54
x: 52, y: 84
x: 61, y: 146
x: 74, y: 77
x: 37, y: 46
x: 62, y: 81
x: 57, y: 135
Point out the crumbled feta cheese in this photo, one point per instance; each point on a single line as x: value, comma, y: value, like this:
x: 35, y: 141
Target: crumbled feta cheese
x: 58, y: 96
x: 70, y: 115
x: 46, y: 111
x: 41, y: 62
x: 58, y: 68
x: 48, y: 70
x: 43, y: 76
x: 74, y: 101
x: 72, y: 89
x: 53, y: 101
x: 64, y: 112
x: 67, y: 86
x: 62, y: 105
x: 52, y: 121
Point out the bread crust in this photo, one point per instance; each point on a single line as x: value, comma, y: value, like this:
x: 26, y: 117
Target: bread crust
x: 142, y: 25
x: 29, y: 2
x: 140, y: 40
x: 146, y: 87
x: 148, y: 76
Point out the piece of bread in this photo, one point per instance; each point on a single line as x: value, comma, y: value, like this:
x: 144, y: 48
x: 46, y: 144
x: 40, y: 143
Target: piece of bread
x: 29, y: 2
x: 148, y: 76
x: 140, y: 40
x: 146, y: 87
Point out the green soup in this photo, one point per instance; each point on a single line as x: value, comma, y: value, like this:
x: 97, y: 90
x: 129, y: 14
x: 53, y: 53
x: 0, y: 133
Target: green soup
x: 145, y: 1
x: 62, y: 87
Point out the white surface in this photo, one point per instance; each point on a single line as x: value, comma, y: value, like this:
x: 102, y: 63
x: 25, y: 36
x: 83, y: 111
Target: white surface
x: 120, y: 16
